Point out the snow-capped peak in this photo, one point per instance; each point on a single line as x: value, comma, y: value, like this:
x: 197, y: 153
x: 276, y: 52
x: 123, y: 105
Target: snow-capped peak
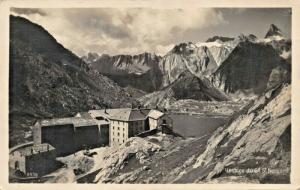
x: 272, y: 38
x: 273, y: 31
x: 216, y: 43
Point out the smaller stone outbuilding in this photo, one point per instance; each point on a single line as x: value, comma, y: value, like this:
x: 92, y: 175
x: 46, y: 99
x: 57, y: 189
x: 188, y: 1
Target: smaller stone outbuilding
x: 35, y: 161
x: 158, y: 118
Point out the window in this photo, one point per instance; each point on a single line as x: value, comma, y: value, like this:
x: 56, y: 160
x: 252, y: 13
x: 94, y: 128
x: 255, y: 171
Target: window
x: 123, y: 140
x: 118, y: 134
x: 118, y: 128
x: 99, y: 118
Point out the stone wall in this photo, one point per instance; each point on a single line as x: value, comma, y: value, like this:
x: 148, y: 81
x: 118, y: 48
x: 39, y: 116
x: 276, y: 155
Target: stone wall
x: 61, y: 137
x: 87, y: 137
x: 41, y: 163
x: 37, y: 135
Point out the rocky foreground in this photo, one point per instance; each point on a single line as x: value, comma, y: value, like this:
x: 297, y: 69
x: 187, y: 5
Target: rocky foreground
x: 260, y: 138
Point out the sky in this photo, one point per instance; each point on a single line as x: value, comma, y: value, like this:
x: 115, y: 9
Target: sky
x: 136, y: 30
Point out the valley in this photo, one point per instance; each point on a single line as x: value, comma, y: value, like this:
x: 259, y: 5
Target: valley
x: 229, y: 99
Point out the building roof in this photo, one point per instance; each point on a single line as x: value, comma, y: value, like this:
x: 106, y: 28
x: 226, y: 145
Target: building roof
x: 56, y: 121
x: 85, y: 115
x: 76, y: 121
x: 84, y: 122
x: 36, y: 149
x: 155, y: 114
x: 130, y: 114
x: 105, y: 113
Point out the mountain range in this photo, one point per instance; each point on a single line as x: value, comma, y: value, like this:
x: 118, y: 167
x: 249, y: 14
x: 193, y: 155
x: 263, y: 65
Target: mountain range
x: 230, y: 67
x: 48, y: 80
x: 139, y: 71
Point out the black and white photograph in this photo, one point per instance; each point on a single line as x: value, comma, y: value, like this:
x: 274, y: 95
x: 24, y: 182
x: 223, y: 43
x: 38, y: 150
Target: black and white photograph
x: 143, y: 95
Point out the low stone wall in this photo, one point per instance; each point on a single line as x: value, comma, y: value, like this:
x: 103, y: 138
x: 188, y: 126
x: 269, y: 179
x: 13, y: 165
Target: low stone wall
x: 147, y: 133
x: 20, y: 146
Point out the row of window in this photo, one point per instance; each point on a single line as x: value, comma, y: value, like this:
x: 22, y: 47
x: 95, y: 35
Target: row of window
x: 139, y: 122
x: 113, y: 134
x: 113, y: 127
x: 119, y: 122
x: 118, y: 140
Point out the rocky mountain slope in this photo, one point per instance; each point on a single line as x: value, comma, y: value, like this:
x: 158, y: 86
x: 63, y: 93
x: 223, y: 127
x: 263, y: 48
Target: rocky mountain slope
x: 258, y: 139
x: 186, y: 57
x: 244, y: 63
x: 150, y: 72
x: 184, y: 70
x: 139, y: 71
x: 162, y: 98
x: 90, y: 57
x: 233, y: 69
x: 281, y: 44
x: 187, y: 86
x: 248, y: 67
x: 220, y: 50
x: 47, y: 80
x: 118, y: 64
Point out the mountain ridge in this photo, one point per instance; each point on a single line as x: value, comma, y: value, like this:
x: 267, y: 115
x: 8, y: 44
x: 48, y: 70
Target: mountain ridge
x: 214, y: 61
x: 47, y: 80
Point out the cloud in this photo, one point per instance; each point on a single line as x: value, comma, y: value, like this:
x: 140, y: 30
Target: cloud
x: 122, y: 31
x: 22, y: 11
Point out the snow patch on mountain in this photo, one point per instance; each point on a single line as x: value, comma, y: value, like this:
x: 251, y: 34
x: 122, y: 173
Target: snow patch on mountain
x: 219, y: 50
x: 186, y: 57
x: 271, y: 38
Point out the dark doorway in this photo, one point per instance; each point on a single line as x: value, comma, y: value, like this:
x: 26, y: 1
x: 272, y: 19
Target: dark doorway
x: 17, y: 165
x: 147, y: 126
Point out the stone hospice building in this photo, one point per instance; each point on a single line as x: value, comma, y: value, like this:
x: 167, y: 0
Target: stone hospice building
x: 95, y: 128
